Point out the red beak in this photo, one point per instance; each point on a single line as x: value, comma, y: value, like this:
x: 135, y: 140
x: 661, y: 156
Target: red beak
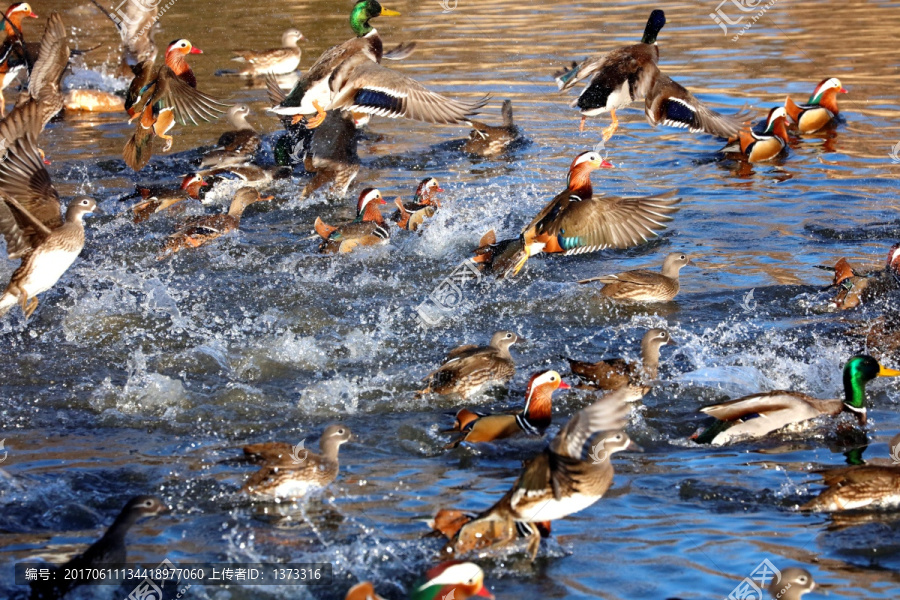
x: 484, y: 593
x: 33, y: 16
x: 439, y: 189
x: 843, y: 90
x: 196, y: 50
x: 202, y: 183
x: 606, y: 165
x: 564, y: 386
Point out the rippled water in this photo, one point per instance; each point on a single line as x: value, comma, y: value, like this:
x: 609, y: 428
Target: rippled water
x: 145, y: 376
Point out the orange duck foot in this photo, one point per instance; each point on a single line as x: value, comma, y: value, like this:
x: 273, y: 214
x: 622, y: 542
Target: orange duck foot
x: 611, y: 128
x: 314, y: 121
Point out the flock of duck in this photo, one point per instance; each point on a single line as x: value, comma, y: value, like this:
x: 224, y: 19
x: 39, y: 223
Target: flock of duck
x: 336, y: 96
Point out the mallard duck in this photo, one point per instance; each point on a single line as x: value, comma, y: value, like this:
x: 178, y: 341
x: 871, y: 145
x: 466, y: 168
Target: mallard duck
x: 161, y: 97
x: 670, y: 103
x: 756, y: 416
x: 618, y: 78
x: 368, y: 229
x: 820, y: 110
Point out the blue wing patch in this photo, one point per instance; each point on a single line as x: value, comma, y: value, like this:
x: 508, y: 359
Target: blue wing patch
x: 378, y: 100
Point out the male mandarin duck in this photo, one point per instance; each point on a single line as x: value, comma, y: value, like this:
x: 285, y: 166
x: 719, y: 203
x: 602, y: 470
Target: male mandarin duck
x: 644, y: 286
x: 577, y: 221
x: 534, y: 419
x: 275, y: 61
x: 755, y: 416
x: 556, y: 483
x: 13, y: 55
x: 763, y: 146
x: 820, y: 110
x: 289, y: 474
x: 198, y: 231
x: 161, y: 96
x: 156, y: 201
x: 368, y: 229
x: 616, y: 373
x: 107, y: 552
x: 237, y: 145
x: 350, y: 77
x: 34, y: 230
x: 363, y: 590
x: 451, y: 580
x: 467, y: 369
x: 856, y: 286
x: 860, y: 487
x: 493, y: 140
x: 411, y: 215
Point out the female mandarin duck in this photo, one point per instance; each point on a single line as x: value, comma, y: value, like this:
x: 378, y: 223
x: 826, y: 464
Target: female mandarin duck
x: 534, y: 419
x: 641, y: 285
x: 13, y: 59
x: 763, y: 146
x: 576, y: 221
x: 860, y: 487
x: 34, y: 230
x: 290, y: 472
x: 275, y: 61
x: 756, y: 416
x: 157, y: 201
x: 350, y: 77
x: 201, y: 230
x: 820, y: 110
x: 467, y: 369
x: 162, y: 96
x: 630, y: 73
x: 411, y: 215
x: 237, y: 145
x: 556, y: 483
x: 493, y: 140
x: 368, y: 229
x: 616, y: 373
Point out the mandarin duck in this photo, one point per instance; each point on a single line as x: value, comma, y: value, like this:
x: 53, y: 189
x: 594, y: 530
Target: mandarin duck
x: 237, y: 145
x: 411, y: 215
x: 363, y: 590
x: 493, y: 140
x: 860, y: 487
x: 451, y: 580
x: 616, y: 373
x: 289, y: 473
x: 644, y: 286
x: 793, y: 583
x: 14, y: 57
x: 501, y: 258
x: 856, y: 286
x: 769, y: 144
x: 110, y: 550
x: 556, y: 483
x: 159, y: 97
x: 755, y: 416
x: 618, y: 78
x: 576, y: 221
x: 820, y: 110
x: 155, y: 201
x: 34, y: 230
x: 350, y: 77
x: 198, y: 231
x: 467, y: 369
x: 275, y: 61
x: 534, y: 419
x: 368, y: 229
x: 137, y: 25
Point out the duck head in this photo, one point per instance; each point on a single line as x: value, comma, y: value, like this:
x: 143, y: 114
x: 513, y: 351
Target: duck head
x: 427, y: 191
x: 826, y: 92
x: 893, y: 260
x: 654, y: 25
x: 502, y: 340
x: 243, y: 198
x: 290, y: 38
x: 580, y: 170
x: 858, y: 371
x: 81, y: 207
x: 365, y: 10
x: 776, y: 123
x: 237, y: 116
x: 367, y: 206
x: 539, y: 396
x: 453, y: 579
x: 673, y: 264
x: 14, y: 15
x: 192, y: 184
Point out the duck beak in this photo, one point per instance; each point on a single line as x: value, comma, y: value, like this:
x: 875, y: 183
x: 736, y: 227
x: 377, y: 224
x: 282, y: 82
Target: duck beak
x: 672, y: 342
x: 484, y: 593
x: 885, y: 372
x: 195, y: 50
x: 564, y: 386
x: 97, y: 211
x: 386, y: 12
x: 32, y: 15
x: 843, y: 90
x: 632, y: 447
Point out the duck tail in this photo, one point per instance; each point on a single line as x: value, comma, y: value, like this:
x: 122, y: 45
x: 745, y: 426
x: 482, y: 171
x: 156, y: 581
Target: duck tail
x: 139, y: 148
x: 403, y: 221
x: 507, y: 113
